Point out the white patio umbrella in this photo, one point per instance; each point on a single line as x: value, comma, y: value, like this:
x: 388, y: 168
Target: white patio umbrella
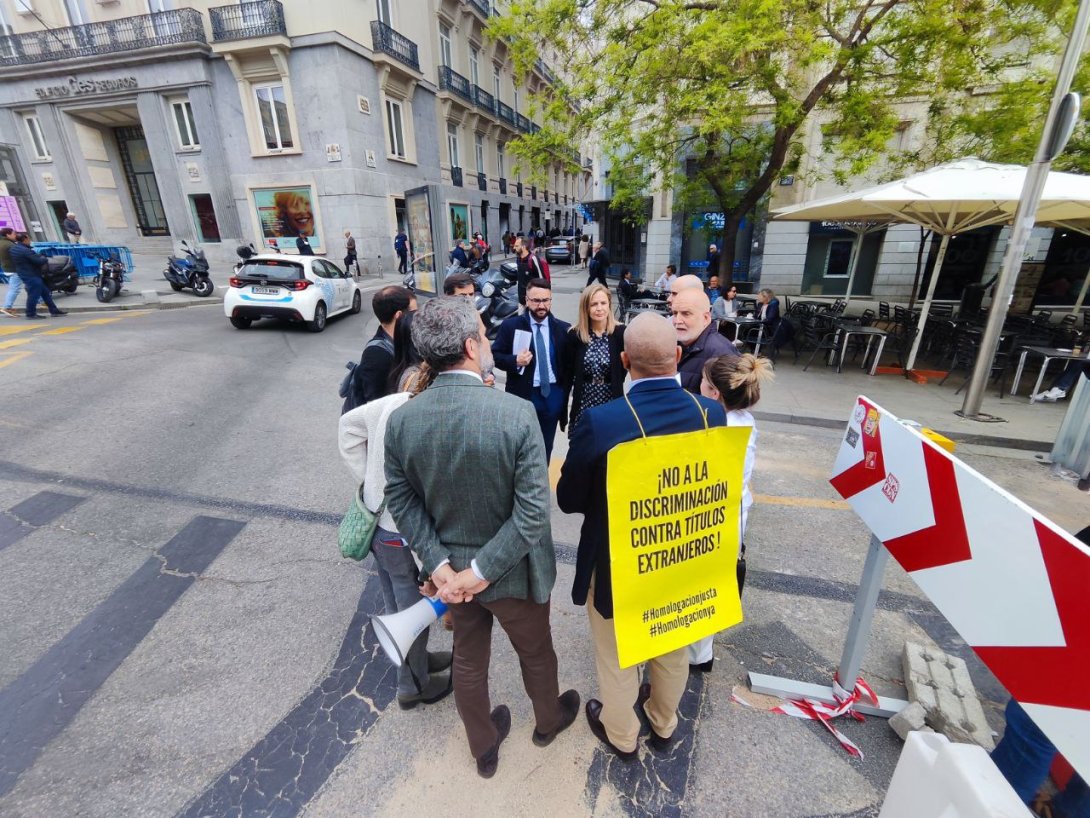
x: 950, y: 199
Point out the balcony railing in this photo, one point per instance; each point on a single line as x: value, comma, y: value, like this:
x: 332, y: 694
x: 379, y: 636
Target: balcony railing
x: 111, y: 37
x: 482, y: 181
x: 262, y: 18
x: 451, y: 80
x: 480, y: 6
x: 503, y: 187
x: 507, y: 114
x: 456, y: 176
x: 533, y: 192
x: 543, y: 69
x: 388, y: 41
x: 523, y: 123
x: 483, y: 99
x: 518, y: 189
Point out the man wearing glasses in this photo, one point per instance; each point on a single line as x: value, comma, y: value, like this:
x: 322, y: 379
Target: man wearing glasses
x: 530, y: 349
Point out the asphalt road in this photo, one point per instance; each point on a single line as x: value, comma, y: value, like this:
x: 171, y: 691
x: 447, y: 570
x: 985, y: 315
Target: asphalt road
x: 181, y: 638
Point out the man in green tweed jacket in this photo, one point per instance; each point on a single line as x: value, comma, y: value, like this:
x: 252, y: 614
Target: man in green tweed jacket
x: 467, y: 485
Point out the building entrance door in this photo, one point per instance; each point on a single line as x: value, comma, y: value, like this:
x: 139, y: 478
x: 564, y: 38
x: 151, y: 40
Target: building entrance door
x: 140, y: 175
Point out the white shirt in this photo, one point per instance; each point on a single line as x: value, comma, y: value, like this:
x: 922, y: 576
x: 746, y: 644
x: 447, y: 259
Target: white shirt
x: 362, y: 436
x: 665, y: 280
x: 725, y: 308
x: 546, y: 342
x: 742, y: 417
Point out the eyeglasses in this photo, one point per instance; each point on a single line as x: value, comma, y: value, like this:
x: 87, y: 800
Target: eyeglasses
x: 540, y: 301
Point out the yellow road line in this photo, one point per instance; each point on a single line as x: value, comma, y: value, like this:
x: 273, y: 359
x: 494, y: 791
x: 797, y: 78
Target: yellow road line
x: 804, y: 502
x: 60, y: 331
x: 12, y: 357
x: 17, y: 330
x: 14, y: 342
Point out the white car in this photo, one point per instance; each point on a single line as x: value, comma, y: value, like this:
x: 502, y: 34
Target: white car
x: 297, y: 288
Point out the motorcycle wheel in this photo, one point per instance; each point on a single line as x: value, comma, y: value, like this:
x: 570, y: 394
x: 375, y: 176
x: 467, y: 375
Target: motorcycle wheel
x: 176, y: 287
x: 203, y: 288
x: 107, y: 290
x: 71, y: 288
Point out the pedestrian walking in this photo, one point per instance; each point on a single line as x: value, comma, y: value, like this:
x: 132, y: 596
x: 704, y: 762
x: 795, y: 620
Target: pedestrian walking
x: 72, y: 228
x: 15, y: 283
x: 351, y: 265
x: 30, y: 267
x: 584, y: 250
x: 713, y: 259
x: 488, y: 546
x: 401, y: 247
x: 599, y: 265
x: 655, y: 405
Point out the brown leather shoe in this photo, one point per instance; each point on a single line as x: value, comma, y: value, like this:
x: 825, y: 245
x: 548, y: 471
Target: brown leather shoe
x: 594, y: 719
x: 487, y: 764
x: 569, y: 703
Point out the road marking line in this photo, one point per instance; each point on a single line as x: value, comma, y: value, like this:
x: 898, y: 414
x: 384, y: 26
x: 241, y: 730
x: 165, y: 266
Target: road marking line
x: 16, y: 330
x: 804, y: 502
x: 12, y: 357
x: 60, y: 331
x: 98, y: 321
x: 14, y: 342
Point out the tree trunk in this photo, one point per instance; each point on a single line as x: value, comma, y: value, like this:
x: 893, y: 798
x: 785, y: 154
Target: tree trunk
x: 731, y: 223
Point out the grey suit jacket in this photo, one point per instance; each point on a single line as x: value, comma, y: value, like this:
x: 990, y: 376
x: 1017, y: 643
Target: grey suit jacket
x: 466, y: 479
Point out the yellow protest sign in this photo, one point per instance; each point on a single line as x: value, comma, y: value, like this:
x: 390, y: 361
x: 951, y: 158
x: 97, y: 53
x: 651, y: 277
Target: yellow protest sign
x: 674, y: 508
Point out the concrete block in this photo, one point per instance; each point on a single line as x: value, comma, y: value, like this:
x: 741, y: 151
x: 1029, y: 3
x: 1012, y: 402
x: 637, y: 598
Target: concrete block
x: 150, y: 296
x: 942, y: 686
x: 910, y: 718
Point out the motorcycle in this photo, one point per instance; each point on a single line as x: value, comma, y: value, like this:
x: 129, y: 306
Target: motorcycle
x: 107, y: 280
x: 60, y: 274
x: 496, y: 301
x: 191, y: 272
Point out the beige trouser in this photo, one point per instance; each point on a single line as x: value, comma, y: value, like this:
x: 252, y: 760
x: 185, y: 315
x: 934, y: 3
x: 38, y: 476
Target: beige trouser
x: 618, y: 688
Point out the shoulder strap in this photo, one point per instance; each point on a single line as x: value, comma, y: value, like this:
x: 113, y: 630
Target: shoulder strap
x: 699, y: 408
x: 383, y: 342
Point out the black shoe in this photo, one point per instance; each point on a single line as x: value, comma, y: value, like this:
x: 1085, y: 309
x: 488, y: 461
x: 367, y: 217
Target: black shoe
x: 437, y: 689
x: 594, y: 719
x: 703, y: 667
x: 654, y: 741
x: 35, y: 318
x: 487, y: 764
x: 569, y: 703
x: 439, y: 661
x: 59, y: 313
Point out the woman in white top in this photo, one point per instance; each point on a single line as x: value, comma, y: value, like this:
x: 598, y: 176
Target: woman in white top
x: 735, y: 381
x: 362, y: 435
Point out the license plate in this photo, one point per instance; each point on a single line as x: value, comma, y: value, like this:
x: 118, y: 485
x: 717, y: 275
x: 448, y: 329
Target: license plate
x: 267, y: 290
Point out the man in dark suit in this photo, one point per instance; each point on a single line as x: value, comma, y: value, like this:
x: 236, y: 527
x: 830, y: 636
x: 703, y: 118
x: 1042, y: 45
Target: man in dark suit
x: 492, y: 557
x: 651, y: 354
x: 536, y: 374
x: 599, y: 265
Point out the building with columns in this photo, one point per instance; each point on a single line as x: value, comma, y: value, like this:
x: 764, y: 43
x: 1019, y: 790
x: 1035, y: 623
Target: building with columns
x: 160, y: 120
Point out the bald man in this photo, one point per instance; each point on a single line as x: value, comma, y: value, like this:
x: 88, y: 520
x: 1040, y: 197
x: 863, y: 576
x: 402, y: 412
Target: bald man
x: 697, y: 335
x: 650, y: 355
x: 685, y: 282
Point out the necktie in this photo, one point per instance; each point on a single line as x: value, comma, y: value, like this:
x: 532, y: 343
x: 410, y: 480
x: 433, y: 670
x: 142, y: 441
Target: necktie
x: 542, y: 363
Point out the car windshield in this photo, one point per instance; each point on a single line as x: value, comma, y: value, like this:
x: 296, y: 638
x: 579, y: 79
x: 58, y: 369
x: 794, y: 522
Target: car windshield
x: 272, y: 268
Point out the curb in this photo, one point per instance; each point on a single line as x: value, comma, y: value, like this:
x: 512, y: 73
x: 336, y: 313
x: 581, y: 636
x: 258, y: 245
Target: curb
x: 133, y: 306
x: 959, y: 437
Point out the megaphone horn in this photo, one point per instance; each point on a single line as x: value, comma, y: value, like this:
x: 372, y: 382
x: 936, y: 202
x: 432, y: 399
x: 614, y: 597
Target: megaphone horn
x: 396, y: 632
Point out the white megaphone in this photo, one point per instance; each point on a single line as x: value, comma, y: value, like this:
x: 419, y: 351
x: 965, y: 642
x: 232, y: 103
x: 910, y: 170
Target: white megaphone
x: 396, y: 632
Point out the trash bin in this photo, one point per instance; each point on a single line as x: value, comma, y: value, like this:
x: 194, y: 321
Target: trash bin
x: 1072, y: 447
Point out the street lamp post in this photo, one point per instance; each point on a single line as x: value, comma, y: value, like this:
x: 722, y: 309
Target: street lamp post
x: 1062, y: 114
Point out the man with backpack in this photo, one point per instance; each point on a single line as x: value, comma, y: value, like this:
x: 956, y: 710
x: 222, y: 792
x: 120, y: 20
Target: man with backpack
x: 367, y: 381
x: 401, y: 247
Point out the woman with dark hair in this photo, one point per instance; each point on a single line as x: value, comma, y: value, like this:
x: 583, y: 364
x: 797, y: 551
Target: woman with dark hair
x: 405, y: 355
x: 593, y: 355
x: 735, y: 381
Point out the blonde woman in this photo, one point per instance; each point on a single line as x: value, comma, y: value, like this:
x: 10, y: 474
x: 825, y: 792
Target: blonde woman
x: 735, y: 381
x: 593, y: 355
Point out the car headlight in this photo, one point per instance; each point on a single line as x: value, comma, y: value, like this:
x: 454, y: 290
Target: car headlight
x: 488, y: 290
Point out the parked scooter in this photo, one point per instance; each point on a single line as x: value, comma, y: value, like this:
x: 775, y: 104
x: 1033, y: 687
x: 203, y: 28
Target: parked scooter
x: 496, y: 300
x: 191, y: 272
x: 245, y: 253
x: 107, y: 280
x: 61, y: 274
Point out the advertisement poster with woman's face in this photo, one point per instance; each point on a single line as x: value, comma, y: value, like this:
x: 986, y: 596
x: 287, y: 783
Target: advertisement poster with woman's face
x: 284, y: 214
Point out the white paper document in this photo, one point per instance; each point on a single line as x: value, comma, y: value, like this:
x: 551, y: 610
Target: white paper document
x: 521, y: 344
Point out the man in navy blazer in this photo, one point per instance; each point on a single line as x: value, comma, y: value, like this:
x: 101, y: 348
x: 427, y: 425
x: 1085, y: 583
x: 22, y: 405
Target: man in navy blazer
x: 536, y: 374
x: 650, y: 355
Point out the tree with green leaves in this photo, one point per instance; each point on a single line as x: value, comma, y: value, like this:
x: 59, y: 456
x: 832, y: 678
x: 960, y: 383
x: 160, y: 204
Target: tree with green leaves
x: 709, y: 98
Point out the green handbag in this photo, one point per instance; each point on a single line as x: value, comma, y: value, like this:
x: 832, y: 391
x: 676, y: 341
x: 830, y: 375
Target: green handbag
x: 358, y: 528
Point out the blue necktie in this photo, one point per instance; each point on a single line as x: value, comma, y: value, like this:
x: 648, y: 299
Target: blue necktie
x: 542, y: 363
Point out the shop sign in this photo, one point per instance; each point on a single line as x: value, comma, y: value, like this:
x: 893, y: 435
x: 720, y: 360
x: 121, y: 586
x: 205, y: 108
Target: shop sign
x: 77, y: 87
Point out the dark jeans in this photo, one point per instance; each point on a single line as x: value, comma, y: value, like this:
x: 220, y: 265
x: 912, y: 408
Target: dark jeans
x: 37, y: 290
x: 402, y: 261
x: 548, y: 414
x: 1070, y: 375
x: 599, y: 276
x: 526, y: 624
x: 397, y: 574
x: 1024, y: 757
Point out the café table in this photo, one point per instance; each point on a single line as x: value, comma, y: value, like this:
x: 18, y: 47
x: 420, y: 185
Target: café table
x: 1047, y: 354
x: 740, y: 323
x: 846, y: 328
